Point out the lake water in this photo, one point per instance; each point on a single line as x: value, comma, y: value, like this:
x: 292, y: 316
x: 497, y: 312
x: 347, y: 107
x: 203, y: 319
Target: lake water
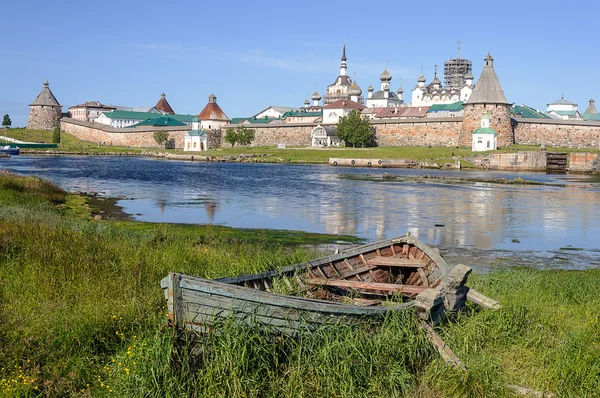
x: 320, y: 198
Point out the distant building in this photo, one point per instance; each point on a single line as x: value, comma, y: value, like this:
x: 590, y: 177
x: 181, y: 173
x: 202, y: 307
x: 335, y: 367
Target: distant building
x: 45, y: 111
x: 446, y: 110
x: 163, y: 105
x: 324, y: 136
x: 563, y: 109
x: 385, y: 97
x: 338, y: 90
x: 591, y: 113
x: 89, y: 111
x: 396, y: 112
x: 212, y: 116
x: 196, y: 139
x: 484, y: 138
x: 334, y: 111
x: 120, y: 119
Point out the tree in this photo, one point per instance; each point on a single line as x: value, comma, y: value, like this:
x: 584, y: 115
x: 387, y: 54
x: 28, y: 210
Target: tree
x: 6, y: 122
x: 245, y: 135
x: 231, y: 137
x: 56, y: 135
x: 239, y: 135
x: 354, y: 130
x: 161, y: 137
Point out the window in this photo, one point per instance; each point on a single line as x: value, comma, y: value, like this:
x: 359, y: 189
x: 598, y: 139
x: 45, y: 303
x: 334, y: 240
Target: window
x: 194, y: 145
x: 488, y: 144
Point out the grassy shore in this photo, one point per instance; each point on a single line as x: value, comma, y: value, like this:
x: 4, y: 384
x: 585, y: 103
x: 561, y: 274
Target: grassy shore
x: 81, y: 314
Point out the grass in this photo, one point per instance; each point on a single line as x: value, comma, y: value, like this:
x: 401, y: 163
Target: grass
x: 81, y: 314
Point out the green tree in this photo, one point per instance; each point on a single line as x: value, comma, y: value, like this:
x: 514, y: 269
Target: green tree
x: 231, y: 137
x: 56, y: 135
x: 6, y: 122
x: 354, y: 130
x: 245, y: 135
x: 161, y: 137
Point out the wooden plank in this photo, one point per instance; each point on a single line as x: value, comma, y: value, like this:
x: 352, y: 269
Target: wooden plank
x: 423, y: 277
x: 388, y: 287
x: 442, y: 348
x: 482, y: 300
x: 397, y: 262
x: 357, y: 271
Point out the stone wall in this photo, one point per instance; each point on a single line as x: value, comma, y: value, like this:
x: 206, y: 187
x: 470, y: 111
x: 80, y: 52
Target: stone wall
x: 44, y: 117
x: 558, y: 133
x: 96, y: 132
x: 500, y: 121
x: 521, y: 161
x: 289, y: 134
x: 418, y: 132
x: 584, y: 162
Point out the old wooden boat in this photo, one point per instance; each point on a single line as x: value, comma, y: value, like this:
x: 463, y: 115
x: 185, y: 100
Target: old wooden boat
x: 354, y: 286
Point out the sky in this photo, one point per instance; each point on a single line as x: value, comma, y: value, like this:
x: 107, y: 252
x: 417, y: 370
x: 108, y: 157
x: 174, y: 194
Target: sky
x: 252, y: 54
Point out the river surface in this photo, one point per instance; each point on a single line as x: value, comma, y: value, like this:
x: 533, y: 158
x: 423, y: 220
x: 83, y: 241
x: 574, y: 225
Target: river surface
x: 321, y: 198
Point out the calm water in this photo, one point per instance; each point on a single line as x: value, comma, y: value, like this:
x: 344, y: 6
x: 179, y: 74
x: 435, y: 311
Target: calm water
x: 321, y: 199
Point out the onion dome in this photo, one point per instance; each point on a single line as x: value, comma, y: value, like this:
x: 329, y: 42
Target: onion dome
x: 400, y: 90
x: 355, y: 90
x: 421, y: 79
x: 385, y: 76
x: 306, y: 102
x: 316, y: 96
x: 469, y: 76
x: 436, y: 80
x: 370, y: 89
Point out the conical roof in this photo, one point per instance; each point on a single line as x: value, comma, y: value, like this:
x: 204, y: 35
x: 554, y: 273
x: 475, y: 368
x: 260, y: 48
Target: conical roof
x: 212, y: 111
x: 488, y: 89
x: 591, y: 109
x: 163, y: 105
x: 45, y: 97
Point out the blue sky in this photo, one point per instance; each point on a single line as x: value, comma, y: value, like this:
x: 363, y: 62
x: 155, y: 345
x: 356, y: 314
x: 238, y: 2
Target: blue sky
x: 261, y: 53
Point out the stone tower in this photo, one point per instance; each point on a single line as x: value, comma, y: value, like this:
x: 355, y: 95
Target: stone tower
x: 45, y: 111
x: 487, y: 98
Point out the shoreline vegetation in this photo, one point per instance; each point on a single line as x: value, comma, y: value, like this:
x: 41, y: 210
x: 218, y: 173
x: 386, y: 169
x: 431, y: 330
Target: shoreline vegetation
x: 72, y: 146
x: 82, y: 314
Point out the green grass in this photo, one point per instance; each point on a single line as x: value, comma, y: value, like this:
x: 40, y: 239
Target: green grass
x: 41, y: 136
x: 81, y: 314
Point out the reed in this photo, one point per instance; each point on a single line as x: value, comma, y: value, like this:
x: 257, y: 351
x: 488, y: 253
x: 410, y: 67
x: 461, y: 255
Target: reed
x: 81, y: 314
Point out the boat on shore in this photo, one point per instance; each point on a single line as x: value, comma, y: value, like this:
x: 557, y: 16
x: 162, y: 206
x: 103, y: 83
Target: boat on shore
x: 8, y: 150
x: 358, y: 285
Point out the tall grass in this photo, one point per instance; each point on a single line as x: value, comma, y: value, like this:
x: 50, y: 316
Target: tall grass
x: 81, y: 314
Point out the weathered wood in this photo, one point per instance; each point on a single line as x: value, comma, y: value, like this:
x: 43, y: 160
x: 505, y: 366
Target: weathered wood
x: 397, y: 262
x: 442, y: 348
x: 388, y: 287
x: 483, y: 300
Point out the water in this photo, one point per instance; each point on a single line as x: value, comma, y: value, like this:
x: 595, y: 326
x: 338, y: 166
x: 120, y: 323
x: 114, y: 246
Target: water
x: 322, y: 199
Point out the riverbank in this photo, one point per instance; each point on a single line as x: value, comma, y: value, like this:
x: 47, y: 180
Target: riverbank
x: 82, y: 315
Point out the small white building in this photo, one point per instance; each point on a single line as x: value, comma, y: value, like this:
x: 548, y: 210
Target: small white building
x: 195, y: 139
x: 274, y: 111
x: 334, y: 111
x: 324, y: 136
x: 484, y: 138
x: 563, y: 109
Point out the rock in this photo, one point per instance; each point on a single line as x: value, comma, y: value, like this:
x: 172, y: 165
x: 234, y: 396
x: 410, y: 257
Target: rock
x: 430, y: 306
x: 387, y: 176
x: 515, y: 240
x: 97, y: 217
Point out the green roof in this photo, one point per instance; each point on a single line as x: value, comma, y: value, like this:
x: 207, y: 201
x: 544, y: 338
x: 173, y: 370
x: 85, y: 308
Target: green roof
x: 262, y: 120
x: 591, y: 116
x: 454, y: 107
x: 131, y: 115
x: 163, y: 121
x: 566, y: 113
x: 238, y: 120
x: 188, y: 119
x: 484, y: 130
x: 196, y: 133
x: 485, y: 116
x: 527, y: 112
x: 302, y: 113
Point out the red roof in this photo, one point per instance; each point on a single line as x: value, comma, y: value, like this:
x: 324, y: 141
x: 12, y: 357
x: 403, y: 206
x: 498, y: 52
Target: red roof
x: 163, y: 105
x: 344, y: 104
x: 212, y: 111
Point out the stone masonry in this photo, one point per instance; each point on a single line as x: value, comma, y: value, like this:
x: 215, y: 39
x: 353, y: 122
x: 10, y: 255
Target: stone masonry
x: 500, y: 121
x: 558, y: 133
x: 419, y: 132
x: 43, y: 117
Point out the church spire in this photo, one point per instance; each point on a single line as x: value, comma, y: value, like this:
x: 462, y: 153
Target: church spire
x: 343, y: 68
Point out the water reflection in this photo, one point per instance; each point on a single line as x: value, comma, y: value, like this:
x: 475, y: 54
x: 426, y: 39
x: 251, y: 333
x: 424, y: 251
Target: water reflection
x: 318, y: 199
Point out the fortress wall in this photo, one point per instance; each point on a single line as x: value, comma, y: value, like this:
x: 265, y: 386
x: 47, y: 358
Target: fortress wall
x: 558, y: 133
